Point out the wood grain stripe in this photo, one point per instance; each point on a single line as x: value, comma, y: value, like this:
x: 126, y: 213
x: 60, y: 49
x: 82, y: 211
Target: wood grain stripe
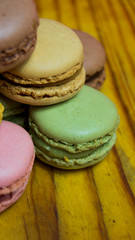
x: 25, y: 228
x: 121, y: 33
x: 125, y: 182
x: 128, y: 10
x: 34, y: 207
x: 117, y: 70
x: 101, y: 224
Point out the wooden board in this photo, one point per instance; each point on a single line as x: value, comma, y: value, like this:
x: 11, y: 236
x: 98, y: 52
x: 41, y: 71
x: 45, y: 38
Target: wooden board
x: 96, y: 203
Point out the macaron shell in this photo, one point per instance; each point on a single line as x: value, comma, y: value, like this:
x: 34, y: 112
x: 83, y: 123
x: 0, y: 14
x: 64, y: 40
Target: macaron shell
x: 67, y: 166
x: 18, y: 26
x: 10, y: 194
x: 16, y: 153
x: 58, y: 49
x: 88, y: 116
x: 94, y: 53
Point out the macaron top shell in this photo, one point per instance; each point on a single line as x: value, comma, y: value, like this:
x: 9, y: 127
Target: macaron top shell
x: 94, y: 53
x: 88, y: 116
x: 16, y: 21
x: 16, y: 153
x: 58, y: 49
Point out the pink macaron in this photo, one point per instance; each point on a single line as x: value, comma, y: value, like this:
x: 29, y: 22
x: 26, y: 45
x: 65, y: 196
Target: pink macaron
x: 16, y: 160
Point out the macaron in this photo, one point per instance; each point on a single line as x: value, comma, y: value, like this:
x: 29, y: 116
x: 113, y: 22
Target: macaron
x: 16, y: 159
x: 77, y: 133
x: 94, y: 59
x: 13, y: 111
x: 53, y: 73
x: 18, y: 31
x: 1, y: 111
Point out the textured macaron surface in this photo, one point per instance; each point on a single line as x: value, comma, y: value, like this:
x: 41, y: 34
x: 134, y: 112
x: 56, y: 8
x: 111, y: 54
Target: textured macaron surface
x: 58, y: 49
x: 77, y: 133
x: 16, y: 153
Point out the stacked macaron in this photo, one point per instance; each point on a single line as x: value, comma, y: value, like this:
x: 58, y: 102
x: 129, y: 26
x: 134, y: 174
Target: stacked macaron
x: 53, y: 73
x: 18, y: 34
x: 72, y: 126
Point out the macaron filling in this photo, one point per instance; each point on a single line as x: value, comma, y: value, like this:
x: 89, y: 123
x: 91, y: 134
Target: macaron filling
x: 96, y: 75
x: 12, y: 55
x: 62, y: 157
x: 71, y: 84
x: 71, y: 73
x: 71, y: 148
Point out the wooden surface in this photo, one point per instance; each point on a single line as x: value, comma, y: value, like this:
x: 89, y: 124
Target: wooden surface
x: 98, y: 202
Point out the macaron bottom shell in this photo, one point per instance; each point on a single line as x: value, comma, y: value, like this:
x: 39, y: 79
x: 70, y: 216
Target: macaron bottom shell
x: 66, y: 160
x: 7, y: 200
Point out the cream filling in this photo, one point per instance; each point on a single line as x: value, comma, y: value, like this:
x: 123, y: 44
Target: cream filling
x: 67, y: 146
x: 97, y: 155
x: 47, y: 80
x: 70, y: 86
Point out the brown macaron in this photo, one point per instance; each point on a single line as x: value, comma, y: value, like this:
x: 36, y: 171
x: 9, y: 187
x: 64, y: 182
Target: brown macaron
x: 94, y: 59
x: 18, y: 31
x: 53, y: 73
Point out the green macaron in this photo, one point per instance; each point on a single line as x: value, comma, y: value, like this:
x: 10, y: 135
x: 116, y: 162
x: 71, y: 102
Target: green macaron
x: 77, y: 133
x: 13, y: 111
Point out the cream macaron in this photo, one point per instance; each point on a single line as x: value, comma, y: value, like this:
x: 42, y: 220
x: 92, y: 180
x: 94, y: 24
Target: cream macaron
x: 53, y: 73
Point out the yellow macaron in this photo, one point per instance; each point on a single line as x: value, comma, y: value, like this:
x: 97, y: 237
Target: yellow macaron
x: 53, y: 73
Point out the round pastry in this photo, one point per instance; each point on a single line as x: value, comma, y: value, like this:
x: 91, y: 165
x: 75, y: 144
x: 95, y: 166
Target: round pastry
x: 13, y: 111
x: 94, y: 59
x: 54, y: 71
x: 16, y: 160
x: 1, y: 111
x: 77, y: 133
x: 18, y: 30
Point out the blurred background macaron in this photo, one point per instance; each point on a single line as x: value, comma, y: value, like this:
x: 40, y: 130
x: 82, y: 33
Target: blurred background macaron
x: 18, y: 32
x: 53, y: 73
x: 77, y: 133
x: 14, y: 111
x: 94, y: 59
x: 16, y: 160
x: 1, y: 111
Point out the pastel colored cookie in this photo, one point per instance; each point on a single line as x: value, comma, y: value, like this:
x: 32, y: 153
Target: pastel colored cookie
x: 54, y: 71
x: 16, y: 160
x: 94, y: 59
x: 77, y: 133
x: 18, y: 30
x: 13, y: 111
x: 1, y: 111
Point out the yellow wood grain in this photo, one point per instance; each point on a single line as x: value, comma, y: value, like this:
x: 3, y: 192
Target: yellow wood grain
x: 96, y: 203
